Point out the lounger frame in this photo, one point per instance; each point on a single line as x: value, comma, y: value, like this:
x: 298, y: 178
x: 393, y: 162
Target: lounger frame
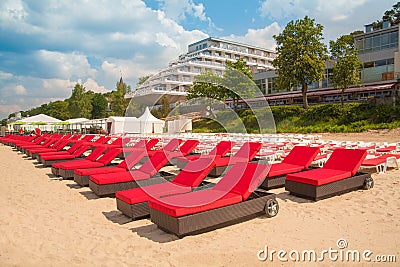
x: 105, y: 190
x: 209, y: 220
x: 308, y: 191
x: 273, y: 182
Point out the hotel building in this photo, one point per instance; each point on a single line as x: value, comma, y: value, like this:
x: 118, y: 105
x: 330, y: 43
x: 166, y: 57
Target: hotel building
x: 206, y: 55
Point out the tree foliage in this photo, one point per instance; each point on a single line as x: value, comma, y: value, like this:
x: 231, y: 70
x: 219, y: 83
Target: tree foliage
x: 99, y: 106
x: 345, y: 69
x: 301, y: 55
x: 119, y: 102
x: 79, y: 104
x: 142, y: 80
x: 391, y: 15
x: 235, y: 84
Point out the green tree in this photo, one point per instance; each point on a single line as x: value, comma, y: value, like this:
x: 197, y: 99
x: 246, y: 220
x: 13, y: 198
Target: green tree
x: 207, y: 84
x: 345, y: 69
x: 59, y: 110
x: 238, y: 81
x: 79, y: 104
x: 391, y: 15
x: 99, y: 106
x: 142, y: 80
x: 165, y: 107
x: 119, y: 102
x: 301, y: 55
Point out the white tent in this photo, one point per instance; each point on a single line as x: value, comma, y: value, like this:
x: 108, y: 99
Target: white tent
x: 179, y: 126
x: 41, y: 121
x: 74, y: 124
x: 149, y: 123
x: 119, y: 125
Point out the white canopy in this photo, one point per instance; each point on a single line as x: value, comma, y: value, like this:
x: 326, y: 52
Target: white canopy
x: 149, y: 123
x: 40, y: 118
x: 118, y: 125
x: 41, y: 121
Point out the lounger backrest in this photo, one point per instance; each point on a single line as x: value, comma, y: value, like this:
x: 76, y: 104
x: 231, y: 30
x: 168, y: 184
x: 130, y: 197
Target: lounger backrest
x: 139, y: 144
x: 248, y: 151
x: 155, y: 163
x: 132, y: 159
x: 243, y: 179
x: 109, y: 155
x: 88, y: 137
x: 172, y: 144
x: 117, y: 142
x: 96, y: 153
x: 102, y: 139
x: 81, y: 149
x: 195, y: 172
x: 346, y: 160
x: 222, y: 148
x: 188, y: 146
x: 62, y: 144
x: 151, y: 143
x: 301, y: 155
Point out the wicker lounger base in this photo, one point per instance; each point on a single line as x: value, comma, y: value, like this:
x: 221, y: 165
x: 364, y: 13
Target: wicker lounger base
x: 48, y: 163
x: 358, y: 181
x: 217, y: 171
x: 103, y: 190
x: 273, y: 182
x: 81, y: 180
x: 205, y: 221
x: 134, y: 211
x: 66, y: 174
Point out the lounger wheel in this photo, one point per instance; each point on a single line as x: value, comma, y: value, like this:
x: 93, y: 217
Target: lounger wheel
x: 271, y: 208
x: 368, y: 183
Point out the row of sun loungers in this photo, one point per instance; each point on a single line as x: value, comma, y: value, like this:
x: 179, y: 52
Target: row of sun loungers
x: 189, y: 203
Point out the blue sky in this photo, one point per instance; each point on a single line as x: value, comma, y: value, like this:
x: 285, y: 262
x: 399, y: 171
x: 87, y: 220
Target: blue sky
x: 47, y: 46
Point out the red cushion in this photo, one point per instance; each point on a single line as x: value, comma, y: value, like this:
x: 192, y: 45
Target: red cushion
x: 110, y: 155
x: 120, y: 177
x: 195, y: 202
x: 301, y: 155
x: 283, y: 168
x: 194, y: 172
x: 318, y: 176
x: 58, y: 157
x: 374, y: 161
x: 155, y: 163
x: 91, y: 171
x: 243, y: 178
x: 133, y: 158
x: 386, y: 149
x: 142, y: 194
x: 346, y: 160
x: 81, y: 165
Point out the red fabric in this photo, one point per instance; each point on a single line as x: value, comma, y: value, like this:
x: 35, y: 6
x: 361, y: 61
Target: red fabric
x: 346, y: 160
x: 138, y: 195
x: 301, y: 155
x: 242, y: 179
x: 282, y: 168
x: 101, y: 170
x: 155, y: 163
x: 374, y: 161
x: 194, y: 172
x: 386, y: 149
x: 318, y: 177
x: 180, y: 205
x: 120, y: 177
x: 79, y: 164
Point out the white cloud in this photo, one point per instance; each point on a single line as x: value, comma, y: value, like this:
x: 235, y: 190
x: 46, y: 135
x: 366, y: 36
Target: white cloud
x: 178, y: 9
x: 20, y: 90
x: 92, y: 85
x: 259, y: 37
x: 338, y: 17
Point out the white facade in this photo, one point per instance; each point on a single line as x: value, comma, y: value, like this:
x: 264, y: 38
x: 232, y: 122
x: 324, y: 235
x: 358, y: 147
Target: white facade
x: 206, y: 55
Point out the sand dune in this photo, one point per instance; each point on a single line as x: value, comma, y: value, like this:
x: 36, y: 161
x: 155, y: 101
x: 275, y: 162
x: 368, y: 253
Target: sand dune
x: 48, y: 222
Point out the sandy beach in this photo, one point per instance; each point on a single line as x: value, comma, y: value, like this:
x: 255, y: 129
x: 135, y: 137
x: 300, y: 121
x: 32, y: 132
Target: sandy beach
x: 45, y: 221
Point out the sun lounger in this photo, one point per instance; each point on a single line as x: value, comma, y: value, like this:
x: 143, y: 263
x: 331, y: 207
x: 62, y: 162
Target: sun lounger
x: 108, y: 184
x: 233, y: 199
x: 298, y: 159
x: 134, y: 156
x: 338, y: 175
x: 66, y: 169
x: 380, y: 163
x: 220, y: 150
x: 246, y: 153
x: 133, y: 202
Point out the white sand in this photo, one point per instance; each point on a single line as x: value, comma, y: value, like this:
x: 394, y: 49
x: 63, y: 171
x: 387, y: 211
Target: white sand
x: 48, y: 222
